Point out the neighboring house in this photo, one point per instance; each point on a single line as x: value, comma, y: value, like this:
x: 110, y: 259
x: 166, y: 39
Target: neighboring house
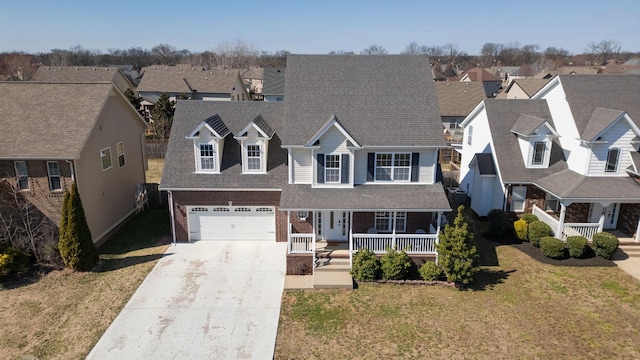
x: 332, y: 163
x: 85, y: 74
x: 566, y: 70
x: 57, y: 133
x: 455, y: 101
x: 523, y: 88
x: 254, y: 78
x: 273, y: 88
x: 191, y: 81
x: 490, y: 82
x: 578, y: 140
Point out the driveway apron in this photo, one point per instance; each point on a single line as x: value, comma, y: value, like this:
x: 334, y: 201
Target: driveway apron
x: 203, y: 300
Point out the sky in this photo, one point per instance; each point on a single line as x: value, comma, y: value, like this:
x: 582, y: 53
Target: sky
x: 315, y: 27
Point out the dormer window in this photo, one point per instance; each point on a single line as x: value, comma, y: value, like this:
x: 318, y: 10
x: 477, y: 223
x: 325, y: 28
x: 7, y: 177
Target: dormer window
x: 254, y: 160
x: 612, y: 161
x: 538, y: 153
x: 207, y: 158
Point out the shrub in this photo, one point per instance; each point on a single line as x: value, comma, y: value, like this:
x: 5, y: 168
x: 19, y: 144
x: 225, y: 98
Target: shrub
x: 430, y: 271
x: 577, y: 246
x: 497, y: 222
x: 366, y: 266
x: 529, y: 218
x: 520, y: 229
x: 395, y: 264
x: 457, y: 252
x: 538, y: 230
x: 13, y: 261
x: 76, y: 247
x: 552, y: 247
x: 605, y: 244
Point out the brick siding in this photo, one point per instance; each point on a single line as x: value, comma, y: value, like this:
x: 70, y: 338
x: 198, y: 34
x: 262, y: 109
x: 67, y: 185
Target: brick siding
x: 628, y: 218
x: 577, y: 213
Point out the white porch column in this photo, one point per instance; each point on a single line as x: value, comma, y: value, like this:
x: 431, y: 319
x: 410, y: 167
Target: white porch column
x: 393, y: 233
x: 288, y: 232
x: 438, y: 234
x: 601, y: 222
x: 172, y: 216
x: 638, y: 231
x: 350, y: 238
x: 563, y: 213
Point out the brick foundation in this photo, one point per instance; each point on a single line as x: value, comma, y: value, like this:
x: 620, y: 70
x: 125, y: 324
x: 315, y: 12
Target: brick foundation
x: 299, y: 264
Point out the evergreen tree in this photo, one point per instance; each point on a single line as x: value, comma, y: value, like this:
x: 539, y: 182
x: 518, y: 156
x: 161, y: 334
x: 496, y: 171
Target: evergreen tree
x: 162, y: 116
x: 65, y: 214
x: 457, y: 252
x: 76, y: 246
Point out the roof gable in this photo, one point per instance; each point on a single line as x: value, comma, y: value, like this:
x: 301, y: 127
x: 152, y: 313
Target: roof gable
x: 261, y: 125
x: 527, y: 125
x: 332, y: 122
x: 214, y: 124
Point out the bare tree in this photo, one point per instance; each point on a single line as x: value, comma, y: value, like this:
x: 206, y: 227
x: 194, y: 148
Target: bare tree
x: 604, y: 50
x: 59, y: 57
x: 18, y: 66
x: 165, y: 54
x: 489, y: 54
x: 374, y: 50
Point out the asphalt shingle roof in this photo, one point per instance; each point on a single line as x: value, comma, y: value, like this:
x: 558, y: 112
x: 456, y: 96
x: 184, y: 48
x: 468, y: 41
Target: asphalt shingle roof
x: 78, y: 74
x: 184, y: 79
x: 568, y: 184
x: 502, y: 115
x: 48, y: 120
x: 527, y: 125
x: 179, y: 169
x: 273, y: 83
x: 459, y: 98
x: 530, y: 86
x: 600, y: 119
x: 585, y: 93
x: 365, y: 197
x: 380, y: 100
x: 485, y: 164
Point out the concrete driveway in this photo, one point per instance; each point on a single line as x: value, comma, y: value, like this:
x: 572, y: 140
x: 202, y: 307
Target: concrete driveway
x: 204, y: 300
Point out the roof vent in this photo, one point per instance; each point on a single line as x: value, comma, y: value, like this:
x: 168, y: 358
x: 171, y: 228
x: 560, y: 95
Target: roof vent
x: 94, y: 68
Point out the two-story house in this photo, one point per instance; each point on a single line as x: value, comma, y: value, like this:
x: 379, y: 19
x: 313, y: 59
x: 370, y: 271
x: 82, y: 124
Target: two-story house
x: 333, y: 163
x: 53, y: 134
x: 573, y: 163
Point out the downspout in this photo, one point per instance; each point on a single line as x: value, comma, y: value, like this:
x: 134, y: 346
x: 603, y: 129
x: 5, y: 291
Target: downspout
x: 504, y: 198
x: 143, y: 150
x: 171, y: 213
x: 71, y: 167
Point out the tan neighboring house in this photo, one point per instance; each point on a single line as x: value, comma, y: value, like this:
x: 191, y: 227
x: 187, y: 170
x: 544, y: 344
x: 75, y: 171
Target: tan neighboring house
x: 85, y: 74
x: 57, y: 133
x: 456, y: 100
x: 490, y: 82
x: 523, y: 88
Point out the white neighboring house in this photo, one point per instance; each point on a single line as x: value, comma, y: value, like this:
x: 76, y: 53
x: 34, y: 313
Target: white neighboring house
x: 578, y: 165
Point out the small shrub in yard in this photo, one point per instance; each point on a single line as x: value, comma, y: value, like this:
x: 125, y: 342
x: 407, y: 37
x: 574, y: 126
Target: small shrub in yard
x: 395, y: 265
x: 430, y: 271
x: 552, y: 247
x: 577, y: 246
x: 529, y: 218
x: 13, y: 260
x: 605, y: 244
x: 366, y: 266
x: 520, y: 229
x: 538, y: 230
x: 497, y: 222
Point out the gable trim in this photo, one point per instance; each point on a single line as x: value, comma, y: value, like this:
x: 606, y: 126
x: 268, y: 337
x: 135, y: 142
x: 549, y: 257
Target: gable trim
x: 204, y: 124
x: 332, y: 121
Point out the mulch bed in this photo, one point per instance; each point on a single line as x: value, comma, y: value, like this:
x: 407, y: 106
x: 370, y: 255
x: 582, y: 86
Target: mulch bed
x: 589, y: 260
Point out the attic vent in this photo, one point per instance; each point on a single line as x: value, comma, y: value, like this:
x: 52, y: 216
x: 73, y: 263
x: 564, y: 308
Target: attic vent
x: 94, y: 68
x: 77, y: 69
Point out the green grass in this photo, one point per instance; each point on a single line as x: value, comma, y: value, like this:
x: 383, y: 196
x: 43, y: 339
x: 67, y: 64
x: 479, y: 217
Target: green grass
x: 62, y: 314
x: 517, y: 309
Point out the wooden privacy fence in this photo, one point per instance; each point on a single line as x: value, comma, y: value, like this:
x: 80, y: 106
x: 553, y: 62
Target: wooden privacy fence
x: 156, y: 149
x: 157, y: 199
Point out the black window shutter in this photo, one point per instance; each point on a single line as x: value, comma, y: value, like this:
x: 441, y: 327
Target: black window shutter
x: 371, y: 165
x: 344, y: 170
x: 320, y: 168
x: 415, y: 168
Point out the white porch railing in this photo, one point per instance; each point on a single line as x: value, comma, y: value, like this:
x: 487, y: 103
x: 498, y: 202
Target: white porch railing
x: 412, y: 243
x: 547, y: 219
x: 301, y: 244
x: 580, y: 229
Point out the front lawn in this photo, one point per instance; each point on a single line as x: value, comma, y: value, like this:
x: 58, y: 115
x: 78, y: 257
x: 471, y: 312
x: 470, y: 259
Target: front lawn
x: 61, y: 315
x: 518, y: 309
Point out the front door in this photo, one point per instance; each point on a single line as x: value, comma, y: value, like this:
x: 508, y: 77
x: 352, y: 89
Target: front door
x: 610, y: 215
x: 335, y: 225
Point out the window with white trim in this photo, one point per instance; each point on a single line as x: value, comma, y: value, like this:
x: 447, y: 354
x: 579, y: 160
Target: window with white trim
x: 518, y: 198
x: 22, y: 175
x: 384, y: 221
x: 319, y: 223
x: 105, y: 159
x: 254, y: 159
x: 206, y: 157
x: 612, y: 161
x: 539, y: 148
x: 393, y: 166
x: 332, y: 168
x: 120, y: 153
x: 551, y: 203
x: 470, y: 135
x: 53, y: 170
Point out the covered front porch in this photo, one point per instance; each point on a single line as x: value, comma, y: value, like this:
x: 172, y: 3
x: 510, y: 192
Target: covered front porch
x: 374, y: 217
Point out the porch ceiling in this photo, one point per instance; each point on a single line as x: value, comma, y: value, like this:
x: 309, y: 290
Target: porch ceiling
x: 365, y: 197
x: 568, y: 184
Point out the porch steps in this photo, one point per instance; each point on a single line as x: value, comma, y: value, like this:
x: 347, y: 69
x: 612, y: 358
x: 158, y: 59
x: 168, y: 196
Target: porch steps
x: 332, y: 271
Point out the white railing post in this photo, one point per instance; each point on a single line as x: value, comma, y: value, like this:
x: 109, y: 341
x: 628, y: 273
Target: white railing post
x: 393, y: 233
x: 289, y: 241
x: 350, y: 239
x: 563, y: 213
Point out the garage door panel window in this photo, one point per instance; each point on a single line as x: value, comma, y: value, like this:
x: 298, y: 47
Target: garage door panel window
x: 242, y: 223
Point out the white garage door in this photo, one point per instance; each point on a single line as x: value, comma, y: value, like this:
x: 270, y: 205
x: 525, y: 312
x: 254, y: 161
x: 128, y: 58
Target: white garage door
x: 232, y: 223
